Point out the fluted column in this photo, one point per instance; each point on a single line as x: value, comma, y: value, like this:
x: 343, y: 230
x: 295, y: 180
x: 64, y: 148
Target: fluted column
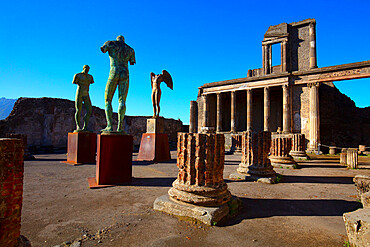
x: 280, y: 149
x: 266, y: 109
x: 298, y: 146
x: 219, y: 113
x: 193, y: 117
x: 205, y: 111
x: 249, y: 109
x: 286, y: 109
x: 312, y: 54
x: 233, y: 111
x: 283, y: 57
x: 314, y: 117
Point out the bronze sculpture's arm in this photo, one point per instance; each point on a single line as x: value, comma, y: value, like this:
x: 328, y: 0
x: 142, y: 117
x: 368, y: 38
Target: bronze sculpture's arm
x: 75, y: 79
x: 152, y: 75
x: 132, y: 58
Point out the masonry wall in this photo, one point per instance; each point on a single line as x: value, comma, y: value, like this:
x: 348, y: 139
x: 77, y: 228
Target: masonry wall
x: 11, y: 189
x: 300, y: 109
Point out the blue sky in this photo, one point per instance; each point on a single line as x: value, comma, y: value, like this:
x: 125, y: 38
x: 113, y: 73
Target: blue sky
x: 44, y: 43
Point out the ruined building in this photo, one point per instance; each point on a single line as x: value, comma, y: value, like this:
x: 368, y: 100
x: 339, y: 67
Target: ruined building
x: 293, y: 97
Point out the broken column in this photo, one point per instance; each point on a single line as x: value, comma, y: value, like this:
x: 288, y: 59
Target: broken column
x: 193, y: 117
x: 343, y: 156
x: 27, y: 155
x: 11, y: 195
x: 236, y: 143
x: 352, y: 158
x: 332, y: 150
x: 280, y: 149
x: 199, y: 192
x: 255, y: 165
x: 298, y: 147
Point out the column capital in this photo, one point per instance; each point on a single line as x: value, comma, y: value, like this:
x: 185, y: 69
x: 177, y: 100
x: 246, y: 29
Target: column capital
x: 285, y: 86
x: 313, y: 84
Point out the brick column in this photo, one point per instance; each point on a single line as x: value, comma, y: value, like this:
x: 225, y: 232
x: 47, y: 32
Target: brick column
x: 200, y: 159
x: 283, y: 56
x: 312, y: 54
x: 266, y: 109
x: 219, y: 113
x: 286, y: 109
x: 343, y: 156
x: 255, y: 165
x: 298, y: 146
x: 249, y: 109
x: 233, y: 111
x: 236, y: 142
x: 314, y: 117
x: 205, y: 111
x: 280, y: 148
x: 193, y: 117
x: 352, y: 158
x: 11, y: 184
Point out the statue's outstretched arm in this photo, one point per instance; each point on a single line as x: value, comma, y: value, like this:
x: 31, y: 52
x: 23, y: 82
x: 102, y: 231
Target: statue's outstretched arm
x: 132, y: 58
x: 75, y: 79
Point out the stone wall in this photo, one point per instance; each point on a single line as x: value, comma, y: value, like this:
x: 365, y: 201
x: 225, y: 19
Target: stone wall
x: 300, y: 109
x: 47, y: 121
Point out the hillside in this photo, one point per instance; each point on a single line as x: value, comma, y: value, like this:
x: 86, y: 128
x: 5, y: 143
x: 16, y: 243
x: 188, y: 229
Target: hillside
x: 6, y: 106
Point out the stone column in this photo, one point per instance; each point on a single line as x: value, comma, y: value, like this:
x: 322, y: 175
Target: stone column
x: 283, y: 56
x: 193, y: 117
x: 27, y: 155
x: 286, y: 109
x: 298, y: 146
x: 266, y: 109
x: 11, y: 194
x: 352, y: 158
x: 233, y: 112
x: 249, y: 109
x: 200, y: 182
x: 332, y: 150
x: 314, y: 117
x: 343, y: 156
x: 312, y: 54
x: 266, y: 49
x: 236, y: 140
x: 219, y: 113
x: 280, y: 148
x: 205, y: 111
x: 255, y: 165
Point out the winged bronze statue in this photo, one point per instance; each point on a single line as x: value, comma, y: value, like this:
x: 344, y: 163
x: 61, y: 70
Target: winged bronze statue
x: 156, y: 89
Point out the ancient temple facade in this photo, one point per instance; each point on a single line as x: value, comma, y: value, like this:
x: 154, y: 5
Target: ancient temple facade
x: 283, y: 99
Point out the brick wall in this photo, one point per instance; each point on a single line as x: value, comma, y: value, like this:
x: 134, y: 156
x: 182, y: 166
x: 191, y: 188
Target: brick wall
x: 11, y: 188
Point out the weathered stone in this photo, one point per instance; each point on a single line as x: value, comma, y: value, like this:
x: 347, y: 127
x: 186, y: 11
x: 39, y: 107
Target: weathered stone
x: 352, y: 158
x: 332, y: 150
x: 365, y: 199
x: 255, y: 164
x: 155, y: 125
x: 343, y: 156
x: 237, y: 142
x: 361, y: 148
x: 27, y: 155
x: 362, y: 183
x: 193, y: 117
x: 298, y: 146
x: 358, y: 227
x: 280, y: 149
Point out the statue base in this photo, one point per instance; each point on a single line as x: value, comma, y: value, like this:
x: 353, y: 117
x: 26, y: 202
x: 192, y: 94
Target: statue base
x: 113, y: 161
x: 81, y: 148
x: 154, y: 147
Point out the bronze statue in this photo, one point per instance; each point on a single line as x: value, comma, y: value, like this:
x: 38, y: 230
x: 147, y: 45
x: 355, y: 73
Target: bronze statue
x: 83, y: 81
x: 119, y: 54
x: 156, y: 89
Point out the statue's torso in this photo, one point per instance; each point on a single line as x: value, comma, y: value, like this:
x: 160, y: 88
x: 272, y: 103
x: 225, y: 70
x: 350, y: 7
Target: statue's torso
x: 119, y: 53
x: 84, y: 81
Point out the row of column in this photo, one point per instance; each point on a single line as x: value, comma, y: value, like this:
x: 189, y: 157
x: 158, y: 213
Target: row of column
x: 286, y: 110
x: 267, y: 57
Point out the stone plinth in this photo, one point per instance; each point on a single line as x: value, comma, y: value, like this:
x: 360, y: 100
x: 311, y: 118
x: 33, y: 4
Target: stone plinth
x: 358, y: 227
x: 113, y: 160
x: 255, y: 164
x: 154, y: 145
x: 362, y: 183
x: 11, y: 194
x: 332, y: 150
x: 280, y: 149
x: 352, y: 158
x: 237, y: 142
x: 361, y: 149
x: 298, y: 147
x: 81, y: 148
x: 343, y: 156
x: 199, y: 192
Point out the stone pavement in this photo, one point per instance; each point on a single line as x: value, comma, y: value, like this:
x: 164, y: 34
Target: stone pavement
x: 304, y: 209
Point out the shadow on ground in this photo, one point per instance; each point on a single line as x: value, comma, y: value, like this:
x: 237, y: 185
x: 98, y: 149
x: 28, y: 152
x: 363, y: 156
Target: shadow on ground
x: 308, y: 179
x: 145, y: 163
x: 263, y: 208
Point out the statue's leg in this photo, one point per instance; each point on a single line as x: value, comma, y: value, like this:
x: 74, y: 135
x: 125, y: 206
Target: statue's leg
x: 88, y: 105
x: 154, y: 91
x: 109, y: 92
x: 78, y: 106
x: 158, y: 100
x: 122, y: 95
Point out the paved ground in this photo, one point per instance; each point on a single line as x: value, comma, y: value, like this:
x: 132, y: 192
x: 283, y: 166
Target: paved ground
x: 305, y: 209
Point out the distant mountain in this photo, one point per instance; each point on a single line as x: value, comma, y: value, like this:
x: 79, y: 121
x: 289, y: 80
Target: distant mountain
x: 6, y: 106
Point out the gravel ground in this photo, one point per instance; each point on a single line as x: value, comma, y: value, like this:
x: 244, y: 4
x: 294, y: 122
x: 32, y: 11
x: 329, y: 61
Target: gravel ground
x: 304, y: 209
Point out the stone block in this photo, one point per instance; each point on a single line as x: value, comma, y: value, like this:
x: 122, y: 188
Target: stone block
x: 81, y: 148
x: 155, y: 125
x: 352, y: 158
x: 154, y: 147
x: 358, y: 227
x: 362, y: 183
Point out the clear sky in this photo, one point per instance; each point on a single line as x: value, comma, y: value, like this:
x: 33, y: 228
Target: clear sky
x: 44, y: 43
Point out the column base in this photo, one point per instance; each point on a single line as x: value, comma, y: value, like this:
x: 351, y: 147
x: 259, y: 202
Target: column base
x: 253, y: 178
x: 81, y: 148
x: 207, y: 215
x: 154, y: 147
x: 283, y: 162
x: 298, y: 155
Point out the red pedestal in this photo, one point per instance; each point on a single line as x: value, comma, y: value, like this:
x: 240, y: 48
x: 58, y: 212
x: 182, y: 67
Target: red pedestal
x: 154, y: 147
x: 81, y: 148
x: 113, y: 160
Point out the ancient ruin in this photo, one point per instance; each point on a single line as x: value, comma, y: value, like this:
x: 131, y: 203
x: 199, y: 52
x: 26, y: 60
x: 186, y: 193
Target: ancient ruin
x: 280, y: 153
x: 296, y: 95
x: 298, y: 147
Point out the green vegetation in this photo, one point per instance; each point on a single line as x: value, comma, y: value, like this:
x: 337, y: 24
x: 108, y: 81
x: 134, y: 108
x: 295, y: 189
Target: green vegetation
x: 279, y: 177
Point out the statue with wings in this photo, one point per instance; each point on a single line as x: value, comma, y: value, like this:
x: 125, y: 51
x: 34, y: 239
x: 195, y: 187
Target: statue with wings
x: 156, y: 89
